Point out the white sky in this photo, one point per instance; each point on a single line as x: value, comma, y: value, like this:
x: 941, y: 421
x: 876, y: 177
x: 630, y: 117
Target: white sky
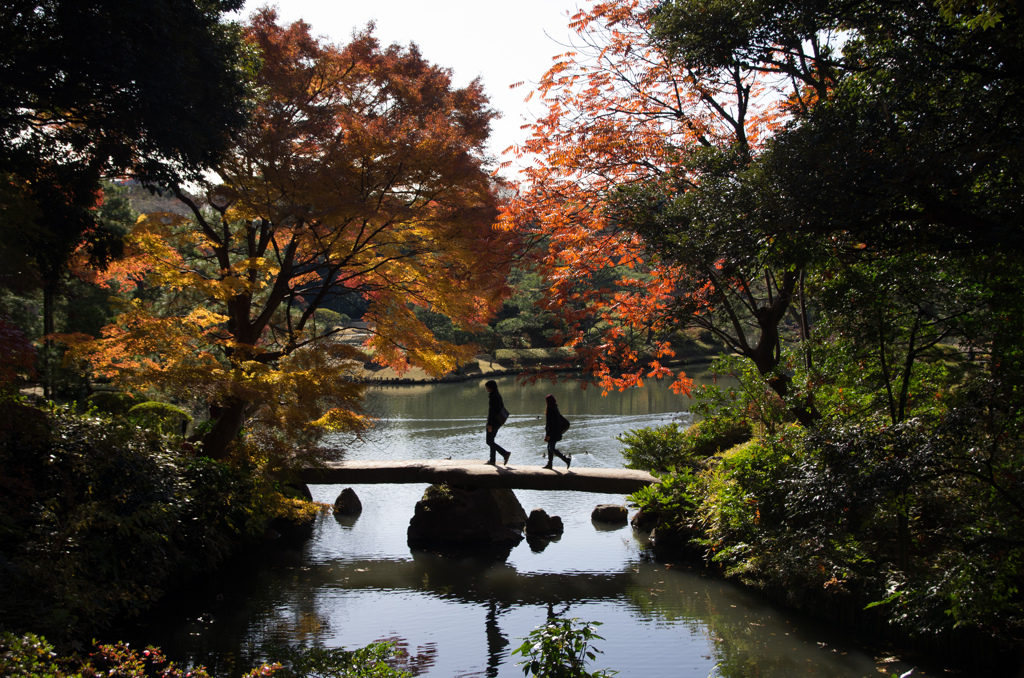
x: 500, y: 42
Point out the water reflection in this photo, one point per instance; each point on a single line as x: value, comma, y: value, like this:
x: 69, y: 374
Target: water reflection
x: 496, y: 640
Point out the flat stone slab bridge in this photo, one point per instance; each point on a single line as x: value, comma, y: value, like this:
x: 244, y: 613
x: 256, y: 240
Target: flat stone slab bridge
x: 478, y: 473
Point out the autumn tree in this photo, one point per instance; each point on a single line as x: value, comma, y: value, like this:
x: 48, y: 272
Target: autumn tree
x: 902, y: 174
x: 644, y: 162
x: 903, y: 158
x: 362, y: 175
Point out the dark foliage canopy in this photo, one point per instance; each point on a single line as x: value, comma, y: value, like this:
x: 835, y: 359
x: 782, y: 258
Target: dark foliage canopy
x: 153, y: 89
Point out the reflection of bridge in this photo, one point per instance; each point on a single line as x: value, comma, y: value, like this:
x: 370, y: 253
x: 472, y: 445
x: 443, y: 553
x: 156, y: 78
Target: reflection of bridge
x: 477, y: 473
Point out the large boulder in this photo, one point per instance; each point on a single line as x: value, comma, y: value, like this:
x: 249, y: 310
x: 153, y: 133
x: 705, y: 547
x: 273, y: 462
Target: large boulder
x: 610, y: 513
x: 347, y: 503
x: 457, y: 517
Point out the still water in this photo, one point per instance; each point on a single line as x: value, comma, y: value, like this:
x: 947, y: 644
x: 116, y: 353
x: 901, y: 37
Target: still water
x: 356, y: 581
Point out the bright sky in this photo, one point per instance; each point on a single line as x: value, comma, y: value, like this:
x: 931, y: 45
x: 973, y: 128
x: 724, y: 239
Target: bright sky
x: 500, y: 42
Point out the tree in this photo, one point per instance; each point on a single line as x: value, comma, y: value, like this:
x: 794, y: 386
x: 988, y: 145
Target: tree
x: 99, y: 89
x: 645, y: 163
x: 119, y: 85
x: 908, y: 150
x: 902, y: 170
x: 361, y: 175
x: 887, y: 330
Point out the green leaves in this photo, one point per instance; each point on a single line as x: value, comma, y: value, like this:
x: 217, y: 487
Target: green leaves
x: 561, y: 649
x: 373, y: 661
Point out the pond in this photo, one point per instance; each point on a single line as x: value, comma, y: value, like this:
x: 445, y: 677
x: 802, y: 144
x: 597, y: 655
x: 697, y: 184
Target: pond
x: 356, y: 581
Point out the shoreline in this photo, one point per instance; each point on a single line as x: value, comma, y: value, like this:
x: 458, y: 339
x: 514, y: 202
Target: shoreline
x: 485, y: 366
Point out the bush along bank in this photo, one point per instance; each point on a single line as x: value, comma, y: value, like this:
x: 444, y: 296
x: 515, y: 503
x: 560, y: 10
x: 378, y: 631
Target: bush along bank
x: 908, y: 533
x: 31, y: 656
x: 98, y: 517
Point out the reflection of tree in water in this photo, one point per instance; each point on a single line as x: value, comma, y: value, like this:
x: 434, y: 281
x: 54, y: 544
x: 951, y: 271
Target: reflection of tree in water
x: 744, y: 638
x: 417, y: 664
x: 558, y: 615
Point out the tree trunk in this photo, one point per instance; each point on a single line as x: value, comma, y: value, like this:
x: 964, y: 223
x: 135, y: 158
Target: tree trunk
x: 48, y: 301
x: 226, y: 428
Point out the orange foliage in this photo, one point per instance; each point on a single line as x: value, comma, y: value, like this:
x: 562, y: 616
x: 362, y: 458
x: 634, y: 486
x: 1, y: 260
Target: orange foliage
x: 362, y: 174
x: 619, y: 112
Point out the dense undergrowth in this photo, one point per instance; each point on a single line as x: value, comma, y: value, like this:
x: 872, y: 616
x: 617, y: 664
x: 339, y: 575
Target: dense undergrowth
x: 912, y: 529
x: 99, y: 515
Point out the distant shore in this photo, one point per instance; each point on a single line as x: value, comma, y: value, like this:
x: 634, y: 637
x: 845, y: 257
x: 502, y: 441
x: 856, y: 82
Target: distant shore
x: 487, y: 366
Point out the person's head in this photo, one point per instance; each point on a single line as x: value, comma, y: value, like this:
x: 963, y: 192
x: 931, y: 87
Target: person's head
x: 549, y: 402
x: 491, y: 385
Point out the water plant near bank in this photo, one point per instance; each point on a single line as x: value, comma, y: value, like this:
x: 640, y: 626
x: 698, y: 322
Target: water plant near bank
x: 561, y: 648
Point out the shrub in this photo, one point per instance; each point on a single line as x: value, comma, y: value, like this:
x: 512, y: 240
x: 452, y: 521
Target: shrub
x: 741, y: 495
x: 534, y: 356
x: 160, y: 417
x: 116, y: 403
x: 661, y: 448
x: 31, y: 656
x: 96, y: 519
x: 716, y: 434
x: 654, y: 449
x: 376, y: 660
x: 330, y: 319
x: 670, y: 503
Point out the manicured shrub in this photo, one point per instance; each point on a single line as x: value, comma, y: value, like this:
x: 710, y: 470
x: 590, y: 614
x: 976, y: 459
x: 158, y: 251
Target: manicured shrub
x: 115, y: 403
x: 716, y: 434
x: 655, y: 449
x: 161, y: 417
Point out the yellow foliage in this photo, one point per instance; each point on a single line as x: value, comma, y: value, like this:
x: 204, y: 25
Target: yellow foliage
x: 393, y: 210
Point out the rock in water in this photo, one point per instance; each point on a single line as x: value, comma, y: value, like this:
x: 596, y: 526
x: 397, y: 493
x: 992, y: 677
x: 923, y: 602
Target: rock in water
x: 540, y: 524
x: 347, y: 503
x: 610, y: 513
x: 458, y: 517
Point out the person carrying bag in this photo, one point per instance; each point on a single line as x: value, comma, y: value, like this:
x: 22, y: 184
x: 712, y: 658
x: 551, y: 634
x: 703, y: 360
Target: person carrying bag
x: 496, y: 416
x: 555, y: 426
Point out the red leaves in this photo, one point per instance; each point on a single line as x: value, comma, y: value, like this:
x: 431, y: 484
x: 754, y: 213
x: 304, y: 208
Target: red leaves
x: 619, y: 113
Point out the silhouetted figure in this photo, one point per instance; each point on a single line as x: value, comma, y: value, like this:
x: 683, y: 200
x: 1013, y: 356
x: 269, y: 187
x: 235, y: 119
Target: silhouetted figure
x: 555, y: 425
x: 496, y: 416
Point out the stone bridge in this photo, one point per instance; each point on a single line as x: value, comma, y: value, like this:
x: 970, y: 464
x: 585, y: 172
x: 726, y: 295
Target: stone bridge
x: 477, y: 473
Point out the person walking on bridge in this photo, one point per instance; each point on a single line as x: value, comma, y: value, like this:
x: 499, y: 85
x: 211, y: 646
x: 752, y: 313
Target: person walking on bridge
x: 496, y: 416
x: 555, y: 426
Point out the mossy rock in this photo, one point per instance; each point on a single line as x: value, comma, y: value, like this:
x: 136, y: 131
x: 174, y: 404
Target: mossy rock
x: 157, y: 416
x: 438, y: 492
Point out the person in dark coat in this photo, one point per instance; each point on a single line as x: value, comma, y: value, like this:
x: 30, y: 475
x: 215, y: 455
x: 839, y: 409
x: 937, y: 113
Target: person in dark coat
x: 555, y: 425
x: 495, y: 406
